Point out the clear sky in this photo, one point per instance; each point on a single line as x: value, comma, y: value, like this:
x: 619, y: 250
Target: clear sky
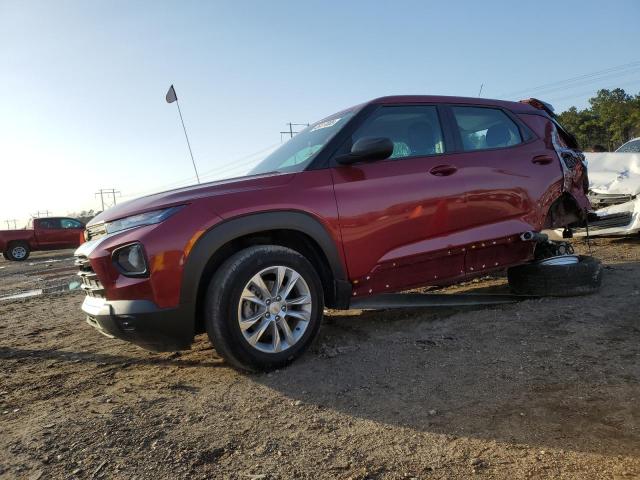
x: 82, y: 83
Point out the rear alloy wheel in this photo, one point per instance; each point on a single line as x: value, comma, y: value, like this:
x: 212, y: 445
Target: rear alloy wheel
x: 558, y: 276
x: 18, y: 251
x: 264, y: 307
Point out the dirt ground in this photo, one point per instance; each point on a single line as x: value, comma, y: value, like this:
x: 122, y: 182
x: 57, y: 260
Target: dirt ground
x: 545, y: 388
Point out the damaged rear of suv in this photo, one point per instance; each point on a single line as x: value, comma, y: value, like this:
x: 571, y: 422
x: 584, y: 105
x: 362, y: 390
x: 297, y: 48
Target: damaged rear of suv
x: 393, y: 194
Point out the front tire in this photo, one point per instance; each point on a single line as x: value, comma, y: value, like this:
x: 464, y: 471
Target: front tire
x: 18, y: 251
x: 264, y: 307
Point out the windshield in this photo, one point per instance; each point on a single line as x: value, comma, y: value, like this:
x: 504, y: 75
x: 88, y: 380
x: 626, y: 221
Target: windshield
x: 297, y: 153
x: 630, y: 147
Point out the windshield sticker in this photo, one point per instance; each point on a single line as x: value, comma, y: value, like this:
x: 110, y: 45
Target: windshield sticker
x: 327, y: 124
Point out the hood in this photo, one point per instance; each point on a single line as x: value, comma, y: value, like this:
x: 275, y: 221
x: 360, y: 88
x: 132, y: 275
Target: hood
x: 181, y: 196
x: 614, y: 173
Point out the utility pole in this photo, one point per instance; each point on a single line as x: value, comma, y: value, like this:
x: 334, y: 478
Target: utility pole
x: 14, y: 224
x: 101, y: 198
x: 107, y: 191
x: 480, y: 92
x: 39, y: 214
x: 291, y: 132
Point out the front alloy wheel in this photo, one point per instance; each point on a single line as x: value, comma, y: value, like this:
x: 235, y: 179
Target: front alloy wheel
x: 274, y: 309
x: 264, y: 307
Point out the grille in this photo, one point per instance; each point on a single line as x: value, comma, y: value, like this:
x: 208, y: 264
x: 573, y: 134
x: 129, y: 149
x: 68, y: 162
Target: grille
x: 610, y: 221
x: 599, y: 200
x: 90, y: 283
x: 96, y: 231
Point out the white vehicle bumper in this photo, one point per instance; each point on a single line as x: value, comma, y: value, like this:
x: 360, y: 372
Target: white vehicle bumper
x: 621, y: 219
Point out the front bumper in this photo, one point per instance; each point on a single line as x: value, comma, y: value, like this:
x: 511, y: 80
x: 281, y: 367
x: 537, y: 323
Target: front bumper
x: 615, y: 220
x: 140, y: 322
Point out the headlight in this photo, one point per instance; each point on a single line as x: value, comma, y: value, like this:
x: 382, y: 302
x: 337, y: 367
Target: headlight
x: 147, y: 218
x: 130, y: 260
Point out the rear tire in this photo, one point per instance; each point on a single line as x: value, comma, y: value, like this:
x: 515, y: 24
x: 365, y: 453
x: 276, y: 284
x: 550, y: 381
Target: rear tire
x: 18, y: 251
x: 582, y: 278
x: 252, y: 322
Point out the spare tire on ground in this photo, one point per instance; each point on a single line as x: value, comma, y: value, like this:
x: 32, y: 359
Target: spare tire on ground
x: 557, y: 277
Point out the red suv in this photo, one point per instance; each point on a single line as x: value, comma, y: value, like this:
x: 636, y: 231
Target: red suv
x: 396, y: 193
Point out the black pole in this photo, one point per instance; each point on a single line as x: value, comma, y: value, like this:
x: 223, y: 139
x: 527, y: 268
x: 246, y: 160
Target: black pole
x: 188, y: 144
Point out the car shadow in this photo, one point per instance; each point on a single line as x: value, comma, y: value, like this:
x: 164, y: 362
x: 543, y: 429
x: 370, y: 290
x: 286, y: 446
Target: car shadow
x: 630, y: 240
x: 554, y: 372
x: 102, y: 359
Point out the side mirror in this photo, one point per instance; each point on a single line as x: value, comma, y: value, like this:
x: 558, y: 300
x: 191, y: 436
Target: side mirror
x: 367, y: 150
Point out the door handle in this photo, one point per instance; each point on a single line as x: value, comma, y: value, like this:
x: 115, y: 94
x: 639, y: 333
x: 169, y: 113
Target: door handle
x: 542, y: 160
x: 443, y: 170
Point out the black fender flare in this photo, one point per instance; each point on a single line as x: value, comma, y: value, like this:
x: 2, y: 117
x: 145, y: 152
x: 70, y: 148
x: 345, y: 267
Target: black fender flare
x: 222, y: 233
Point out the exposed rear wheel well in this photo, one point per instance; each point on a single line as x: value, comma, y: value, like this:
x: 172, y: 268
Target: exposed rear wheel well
x: 564, y: 212
x: 293, y: 239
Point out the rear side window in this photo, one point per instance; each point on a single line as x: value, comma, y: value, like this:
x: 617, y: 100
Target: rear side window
x: 69, y: 223
x: 48, y: 223
x: 485, y: 128
x: 414, y: 130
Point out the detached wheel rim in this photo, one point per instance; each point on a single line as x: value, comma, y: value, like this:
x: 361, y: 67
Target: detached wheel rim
x: 18, y: 252
x: 274, y: 310
x: 560, y: 260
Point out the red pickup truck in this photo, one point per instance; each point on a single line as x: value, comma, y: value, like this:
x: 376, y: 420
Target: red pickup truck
x: 51, y: 233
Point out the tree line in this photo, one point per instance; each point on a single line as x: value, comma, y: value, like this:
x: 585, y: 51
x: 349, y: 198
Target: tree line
x: 612, y: 119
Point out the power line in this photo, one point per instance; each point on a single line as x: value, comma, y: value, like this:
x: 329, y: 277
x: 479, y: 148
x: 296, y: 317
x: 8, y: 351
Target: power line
x: 235, y: 163
x: 107, y: 191
x: 226, y: 172
x: 208, y: 173
x: 630, y: 65
x: 584, y: 82
x: 587, y: 92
